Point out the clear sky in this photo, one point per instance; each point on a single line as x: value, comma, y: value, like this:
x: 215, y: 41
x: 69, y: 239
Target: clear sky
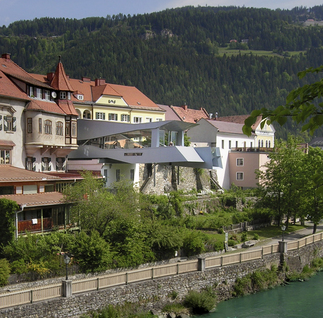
x: 14, y: 10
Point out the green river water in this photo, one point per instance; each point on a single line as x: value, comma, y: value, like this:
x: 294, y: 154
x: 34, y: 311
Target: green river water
x: 299, y: 299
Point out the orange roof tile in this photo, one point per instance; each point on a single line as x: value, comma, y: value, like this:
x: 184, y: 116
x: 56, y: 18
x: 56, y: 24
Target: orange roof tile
x: 10, y: 68
x: 46, y: 106
x: 60, y: 81
x: 67, y: 107
x: 13, y: 174
x: 36, y: 199
x: 98, y: 91
x: 8, y: 88
x: 190, y: 115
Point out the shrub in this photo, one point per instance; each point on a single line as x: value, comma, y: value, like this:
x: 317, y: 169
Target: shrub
x: 200, y: 303
x: 255, y: 236
x: 4, y: 271
x: 194, y: 243
x: 244, y: 237
x: 232, y: 242
x: 173, y: 295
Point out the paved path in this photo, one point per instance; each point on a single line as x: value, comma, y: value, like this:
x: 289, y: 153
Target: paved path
x: 290, y: 237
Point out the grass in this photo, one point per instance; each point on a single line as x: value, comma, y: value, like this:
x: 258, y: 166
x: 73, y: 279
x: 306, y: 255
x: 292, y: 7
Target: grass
x: 230, y: 52
x: 273, y: 231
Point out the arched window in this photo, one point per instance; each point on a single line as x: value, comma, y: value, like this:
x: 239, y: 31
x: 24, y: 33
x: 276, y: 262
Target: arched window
x: 86, y: 114
x: 78, y: 113
x: 48, y: 127
x: 59, y: 128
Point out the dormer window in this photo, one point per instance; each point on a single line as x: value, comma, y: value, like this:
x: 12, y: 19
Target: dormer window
x: 38, y: 93
x: 62, y: 95
x: 31, y: 91
x: 80, y: 97
x: 46, y: 94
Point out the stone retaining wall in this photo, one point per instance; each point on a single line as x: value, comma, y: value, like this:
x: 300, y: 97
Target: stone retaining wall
x: 155, y: 293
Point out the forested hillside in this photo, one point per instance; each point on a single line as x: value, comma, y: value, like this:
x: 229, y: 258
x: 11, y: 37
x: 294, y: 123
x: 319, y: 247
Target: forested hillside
x: 173, y: 55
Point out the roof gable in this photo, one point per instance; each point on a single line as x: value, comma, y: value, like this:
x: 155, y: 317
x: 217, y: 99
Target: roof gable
x: 190, y: 115
x: 60, y: 81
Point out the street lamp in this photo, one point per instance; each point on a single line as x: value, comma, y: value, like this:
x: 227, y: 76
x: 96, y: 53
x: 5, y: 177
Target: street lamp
x: 67, y: 260
x: 283, y: 229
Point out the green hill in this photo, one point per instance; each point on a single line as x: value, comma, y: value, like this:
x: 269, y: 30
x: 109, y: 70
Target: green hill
x: 181, y: 55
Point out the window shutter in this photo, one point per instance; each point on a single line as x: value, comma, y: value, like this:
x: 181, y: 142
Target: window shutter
x: 5, y: 123
x: 0, y: 122
x: 14, y: 124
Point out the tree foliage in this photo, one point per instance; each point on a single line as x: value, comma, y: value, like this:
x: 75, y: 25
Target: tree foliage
x: 7, y: 221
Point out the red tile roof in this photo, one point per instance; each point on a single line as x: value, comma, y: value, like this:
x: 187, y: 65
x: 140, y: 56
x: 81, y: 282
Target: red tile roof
x: 60, y: 81
x: 47, y: 106
x: 13, y: 174
x: 67, y: 107
x: 36, y: 199
x: 9, y: 89
x: 190, y: 115
x: 10, y: 68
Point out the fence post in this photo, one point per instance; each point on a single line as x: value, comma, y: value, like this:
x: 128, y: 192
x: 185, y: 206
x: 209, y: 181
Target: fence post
x: 98, y: 283
x: 201, y: 264
x: 177, y: 268
x: 31, y: 296
x: 67, y: 288
x: 262, y: 253
x: 152, y: 273
x: 126, y: 278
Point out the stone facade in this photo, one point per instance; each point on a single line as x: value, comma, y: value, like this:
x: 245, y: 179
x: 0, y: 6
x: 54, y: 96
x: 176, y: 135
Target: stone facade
x: 171, y: 178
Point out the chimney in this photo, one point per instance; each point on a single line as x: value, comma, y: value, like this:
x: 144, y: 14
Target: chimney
x: 184, y: 107
x: 99, y: 82
x: 50, y: 76
x: 6, y: 56
x: 210, y: 116
x: 86, y: 79
x: 216, y: 115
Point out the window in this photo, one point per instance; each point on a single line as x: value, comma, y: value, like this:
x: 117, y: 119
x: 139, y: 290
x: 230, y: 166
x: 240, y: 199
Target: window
x: 137, y: 120
x: 45, y: 165
x: 240, y: 176
x: 49, y: 188
x: 132, y: 174
x: 48, y: 127
x: 229, y: 144
x: 30, y: 163
x: 262, y: 143
x: 125, y: 117
x: 38, y: 93
x: 40, y: 125
x: 0, y: 122
x: 5, y: 156
x: 268, y: 143
x: 100, y: 116
x: 67, y: 129
x: 60, y: 164
x: 222, y: 144
x: 149, y: 119
x: 237, y: 143
x: 74, y: 129
x: 29, y: 125
x: 62, y: 95
x: 59, y: 128
x: 159, y: 119
x: 86, y: 114
x: 69, y: 95
x: 46, y: 94
x: 251, y: 144
x: 9, y: 123
x: 31, y: 91
x: 239, y: 161
x: 113, y: 117
x: 118, y: 175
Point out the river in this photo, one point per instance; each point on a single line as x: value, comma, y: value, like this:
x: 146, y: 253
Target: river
x: 296, y: 300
